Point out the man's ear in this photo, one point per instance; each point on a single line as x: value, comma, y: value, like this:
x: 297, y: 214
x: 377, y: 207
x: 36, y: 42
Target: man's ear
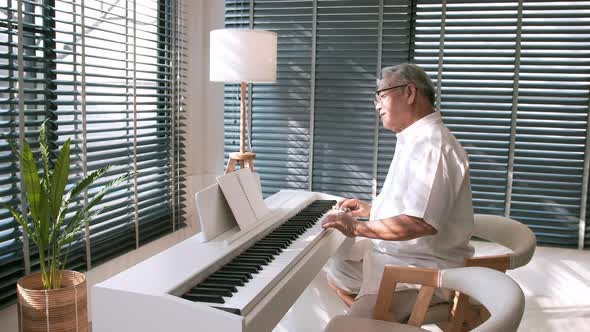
x: 411, y: 93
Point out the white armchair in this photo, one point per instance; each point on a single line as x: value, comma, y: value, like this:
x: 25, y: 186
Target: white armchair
x: 501, y: 296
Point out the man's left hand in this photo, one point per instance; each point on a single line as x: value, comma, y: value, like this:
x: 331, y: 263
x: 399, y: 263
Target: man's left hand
x: 341, y: 221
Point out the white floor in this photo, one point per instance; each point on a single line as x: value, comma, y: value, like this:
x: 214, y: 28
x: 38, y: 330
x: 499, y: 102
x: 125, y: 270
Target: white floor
x: 556, y: 284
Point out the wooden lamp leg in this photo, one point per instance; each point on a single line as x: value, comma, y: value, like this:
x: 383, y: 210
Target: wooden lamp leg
x: 231, y: 163
x: 243, y: 158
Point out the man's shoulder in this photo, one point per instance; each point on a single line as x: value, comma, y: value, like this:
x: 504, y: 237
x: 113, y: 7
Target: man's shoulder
x: 449, y: 141
x: 440, y: 140
x: 432, y: 138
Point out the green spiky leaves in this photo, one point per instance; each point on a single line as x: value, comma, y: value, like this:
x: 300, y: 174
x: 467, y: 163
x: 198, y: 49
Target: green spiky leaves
x: 48, y: 201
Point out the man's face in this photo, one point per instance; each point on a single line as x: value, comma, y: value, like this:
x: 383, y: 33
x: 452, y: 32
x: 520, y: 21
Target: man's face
x: 390, y: 103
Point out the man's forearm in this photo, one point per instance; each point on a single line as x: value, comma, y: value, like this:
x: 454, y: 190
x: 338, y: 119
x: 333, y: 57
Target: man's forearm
x: 398, y: 228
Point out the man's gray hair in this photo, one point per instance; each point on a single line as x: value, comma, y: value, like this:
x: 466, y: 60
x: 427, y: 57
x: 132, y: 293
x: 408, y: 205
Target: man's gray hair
x: 408, y: 72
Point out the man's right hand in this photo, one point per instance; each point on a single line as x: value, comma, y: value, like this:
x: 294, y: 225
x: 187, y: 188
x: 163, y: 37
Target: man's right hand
x: 356, y: 208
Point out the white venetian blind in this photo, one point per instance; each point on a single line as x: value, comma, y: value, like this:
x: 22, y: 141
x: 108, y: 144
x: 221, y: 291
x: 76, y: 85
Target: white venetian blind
x: 512, y: 80
x: 107, y: 75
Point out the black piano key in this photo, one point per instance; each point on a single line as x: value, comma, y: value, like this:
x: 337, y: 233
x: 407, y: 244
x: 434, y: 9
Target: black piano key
x: 247, y: 270
x: 266, y: 258
x: 275, y: 233
x: 297, y: 226
x: 243, y: 267
x: 303, y: 221
x: 219, y: 285
x: 292, y: 233
x: 303, y: 225
x: 273, y: 250
x: 230, y: 281
x: 262, y: 244
x: 240, y: 269
x: 200, y: 290
x: 204, y: 298
x: 258, y: 258
x: 290, y: 230
x: 299, y: 223
x: 311, y: 218
x: 291, y: 225
x: 240, y: 259
x: 230, y: 310
x: 288, y: 225
x: 259, y: 253
x: 293, y: 237
x: 235, y: 262
x: 284, y: 237
x: 265, y: 249
x: 227, y: 272
x: 260, y: 250
x: 243, y: 276
x: 274, y: 238
x: 276, y: 244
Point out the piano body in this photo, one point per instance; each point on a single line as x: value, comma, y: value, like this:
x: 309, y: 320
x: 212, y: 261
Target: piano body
x: 169, y: 291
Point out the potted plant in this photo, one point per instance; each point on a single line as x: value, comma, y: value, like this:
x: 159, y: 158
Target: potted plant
x: 53, y: 299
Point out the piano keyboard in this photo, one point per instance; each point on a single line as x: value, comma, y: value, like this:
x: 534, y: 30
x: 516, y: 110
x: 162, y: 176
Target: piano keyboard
x: 253, y: 266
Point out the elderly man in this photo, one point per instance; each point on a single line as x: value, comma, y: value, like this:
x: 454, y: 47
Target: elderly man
x: 423, y: 216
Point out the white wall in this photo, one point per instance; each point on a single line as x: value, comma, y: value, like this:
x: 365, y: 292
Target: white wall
x: 204, y: 141
x: 205, y: 99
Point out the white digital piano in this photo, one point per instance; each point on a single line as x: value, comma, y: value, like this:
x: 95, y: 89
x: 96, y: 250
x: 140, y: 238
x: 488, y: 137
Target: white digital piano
x: 225, y: 278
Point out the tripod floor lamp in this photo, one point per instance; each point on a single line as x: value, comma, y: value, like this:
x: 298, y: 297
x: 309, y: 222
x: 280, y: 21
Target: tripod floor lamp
x: 242, y: 56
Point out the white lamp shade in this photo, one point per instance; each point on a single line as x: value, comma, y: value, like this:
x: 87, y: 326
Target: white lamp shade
x: 243, y: 56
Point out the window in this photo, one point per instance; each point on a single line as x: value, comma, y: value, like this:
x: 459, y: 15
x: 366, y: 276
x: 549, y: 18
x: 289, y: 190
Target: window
x: 511, y: 77
x: 514, y: 88
x: 107, y: 75
x: 316, y: 127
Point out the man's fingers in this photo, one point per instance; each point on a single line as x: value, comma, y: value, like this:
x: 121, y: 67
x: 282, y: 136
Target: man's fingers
x: 331, y: 220
x: 328, y: 223
x: 328, y: 219
x: 339, y: 203
x: 346, y: 205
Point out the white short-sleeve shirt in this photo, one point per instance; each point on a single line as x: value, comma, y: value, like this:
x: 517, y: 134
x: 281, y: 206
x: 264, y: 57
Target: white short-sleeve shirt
x: 428, y: 178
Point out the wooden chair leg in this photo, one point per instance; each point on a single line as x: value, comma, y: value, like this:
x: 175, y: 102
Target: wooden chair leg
x: 484, y: 314
x: 474, y: 317
x: 421, y: 306
x: 458, y: 313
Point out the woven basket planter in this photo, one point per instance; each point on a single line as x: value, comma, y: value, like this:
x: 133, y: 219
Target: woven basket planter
x: 54, y: 310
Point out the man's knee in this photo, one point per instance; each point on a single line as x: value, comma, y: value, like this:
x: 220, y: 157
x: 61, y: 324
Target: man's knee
x: 345, y: 275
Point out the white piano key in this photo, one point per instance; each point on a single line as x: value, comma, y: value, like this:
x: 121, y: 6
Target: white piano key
x: 248, y: 295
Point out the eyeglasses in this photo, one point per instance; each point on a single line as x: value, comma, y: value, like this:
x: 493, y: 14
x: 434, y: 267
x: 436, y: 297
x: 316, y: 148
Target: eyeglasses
x: 379, y: 97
